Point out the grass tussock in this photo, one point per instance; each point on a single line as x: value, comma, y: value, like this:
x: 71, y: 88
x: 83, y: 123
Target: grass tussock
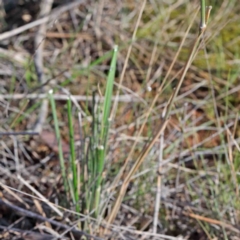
x: 141, y: 135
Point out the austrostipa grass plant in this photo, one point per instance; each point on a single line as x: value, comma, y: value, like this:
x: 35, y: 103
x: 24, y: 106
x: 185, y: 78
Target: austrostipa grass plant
x: 198, y: 155
x: 97, y: 149
x: 105, y: 122
x: 91, y: 179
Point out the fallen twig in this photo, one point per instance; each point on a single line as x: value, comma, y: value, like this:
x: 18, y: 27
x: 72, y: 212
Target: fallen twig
x: 121, y: 98
x: 23, y: 212
x: 52, y: 17
x: 45, y: 8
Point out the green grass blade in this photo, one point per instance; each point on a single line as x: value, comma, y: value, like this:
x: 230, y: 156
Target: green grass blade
x: 73, y: 155
x: 58, y: 137
x: 108, y: 95
x: 102, y: 146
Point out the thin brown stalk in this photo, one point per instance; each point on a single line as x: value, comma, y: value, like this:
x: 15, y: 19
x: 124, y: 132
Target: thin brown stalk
x: 19, y: 113
x: 163, y: 125
x: 127, y: 58
x: 133, y: 170
x: 231, y: 160
x: 40, y: 196
x: 159, y: 91
x: 159, y: 184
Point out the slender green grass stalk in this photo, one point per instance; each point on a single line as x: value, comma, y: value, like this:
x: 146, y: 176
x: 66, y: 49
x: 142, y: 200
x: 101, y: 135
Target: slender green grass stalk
x: 73, y: 156
x: 102, y: 146
x: 89, y: 161
x: 59, y: 141
x: 95, y: 147
x: 203, y: 14
x: 94, y: 157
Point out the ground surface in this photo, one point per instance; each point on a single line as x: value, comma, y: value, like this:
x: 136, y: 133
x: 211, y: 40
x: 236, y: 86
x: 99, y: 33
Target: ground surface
x: 193, y: 167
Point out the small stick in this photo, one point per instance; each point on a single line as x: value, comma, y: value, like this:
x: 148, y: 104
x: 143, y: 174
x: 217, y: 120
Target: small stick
x: 52, y: 17
x: 63, y: 97
x: 23, y: 212
x: 45, y: 8
x: 18, y: 133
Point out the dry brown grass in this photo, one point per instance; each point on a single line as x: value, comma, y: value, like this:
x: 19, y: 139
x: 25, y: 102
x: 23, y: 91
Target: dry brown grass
x: 200, y: 152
